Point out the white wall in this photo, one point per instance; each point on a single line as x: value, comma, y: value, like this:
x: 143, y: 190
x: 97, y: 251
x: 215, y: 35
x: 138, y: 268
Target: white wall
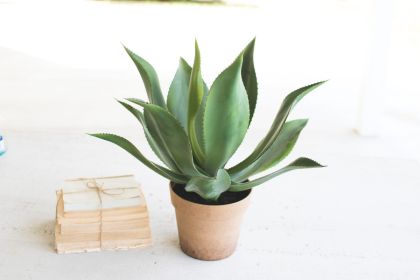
x: 61, y: 62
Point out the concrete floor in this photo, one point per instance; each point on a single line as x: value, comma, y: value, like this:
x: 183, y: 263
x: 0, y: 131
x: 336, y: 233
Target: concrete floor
x: 356, y: 219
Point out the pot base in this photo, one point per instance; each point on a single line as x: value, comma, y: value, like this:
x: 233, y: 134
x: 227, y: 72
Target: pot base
x: 206, y: 255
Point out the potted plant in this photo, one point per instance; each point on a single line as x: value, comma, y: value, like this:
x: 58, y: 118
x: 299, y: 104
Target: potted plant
x: 196, y: 132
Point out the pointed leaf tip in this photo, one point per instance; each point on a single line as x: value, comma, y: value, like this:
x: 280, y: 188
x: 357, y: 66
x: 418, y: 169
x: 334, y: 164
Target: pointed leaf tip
x: 195, y: 97
x: 286, y: 107
x: 249, y: 77
x: 131, y: 149
x: 226, y: 117
x: 149, y: 77
x: 178, y: 93
x: 300, y: 163
x: 279, y: 150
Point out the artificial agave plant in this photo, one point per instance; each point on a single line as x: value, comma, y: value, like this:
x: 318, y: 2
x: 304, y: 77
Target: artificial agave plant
x: 198, y: 129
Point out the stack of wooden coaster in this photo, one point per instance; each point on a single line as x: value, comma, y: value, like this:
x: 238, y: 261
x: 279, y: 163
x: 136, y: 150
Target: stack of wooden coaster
x: 95, y: 214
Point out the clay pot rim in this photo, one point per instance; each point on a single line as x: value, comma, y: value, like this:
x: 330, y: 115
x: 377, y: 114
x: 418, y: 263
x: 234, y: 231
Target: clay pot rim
x: 172, y: 184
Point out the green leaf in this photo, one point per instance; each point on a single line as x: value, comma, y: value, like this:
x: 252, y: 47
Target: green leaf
x: 130, y: 148
x: 161, y: 153
x: 288, y: 103
x: 178, y: 93
x: 300, y: 163
x: 280, y: 148
x: 199, y: 120
x: 226, y: 117
x: 150, y: 79
x: 283, y: 144
x: 169, y: 135
x: 195, y: 96
x: 209, y: 188
x: 249, y: 77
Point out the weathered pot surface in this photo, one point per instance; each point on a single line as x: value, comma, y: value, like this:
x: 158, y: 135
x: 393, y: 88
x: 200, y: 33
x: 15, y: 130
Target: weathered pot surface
x: 208, y: 232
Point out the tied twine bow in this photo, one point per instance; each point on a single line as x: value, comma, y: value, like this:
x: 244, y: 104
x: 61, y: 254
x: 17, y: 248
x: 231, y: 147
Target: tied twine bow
x: 93, y: 184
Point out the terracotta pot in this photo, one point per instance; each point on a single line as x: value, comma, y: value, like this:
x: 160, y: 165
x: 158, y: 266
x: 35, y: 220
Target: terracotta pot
x: 208, y: 232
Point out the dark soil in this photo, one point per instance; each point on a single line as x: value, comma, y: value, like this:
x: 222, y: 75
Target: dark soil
x: 225, y: 198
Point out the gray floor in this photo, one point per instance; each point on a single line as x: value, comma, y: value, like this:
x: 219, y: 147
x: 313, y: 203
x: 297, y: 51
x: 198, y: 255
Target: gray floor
x: 356, y: 219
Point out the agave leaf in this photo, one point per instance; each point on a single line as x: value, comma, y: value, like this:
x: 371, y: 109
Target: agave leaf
x: 169, y: 135
x: 280, y: 148
x: 178, y: 93
x: 249, y: 77
x: 178, y: 100
x: 129, y: 147
x: 300, y: 163
x: 150, y: 79
x: 209, y: 188
x: 195, y: 96
x: 199, y: 120
x: 283, y: 145
x: 288, y: 103
x: 161, y: 153
x: 226, y: 117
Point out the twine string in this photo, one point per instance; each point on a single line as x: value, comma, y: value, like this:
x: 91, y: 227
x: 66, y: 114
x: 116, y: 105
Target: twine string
x: 93, y: 184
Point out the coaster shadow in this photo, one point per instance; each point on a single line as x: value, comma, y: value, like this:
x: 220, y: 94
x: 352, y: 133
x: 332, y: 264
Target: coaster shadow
x: 45, y: 234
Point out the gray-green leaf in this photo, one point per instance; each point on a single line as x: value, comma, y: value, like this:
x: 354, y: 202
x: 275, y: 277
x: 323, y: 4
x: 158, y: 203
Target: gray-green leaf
x: 195, y: 97
x: 178, y: 93
x: 280, y: 148
x: 150, y: 79
x: 300, y: 163
x: 249, y: 77
x: 288, y: 103
x: 169, y: 135
x: 130, y: 148
x: 209, y: 188
x: 199, y: 120
x: 161, y: 153
x: 226, y: 117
